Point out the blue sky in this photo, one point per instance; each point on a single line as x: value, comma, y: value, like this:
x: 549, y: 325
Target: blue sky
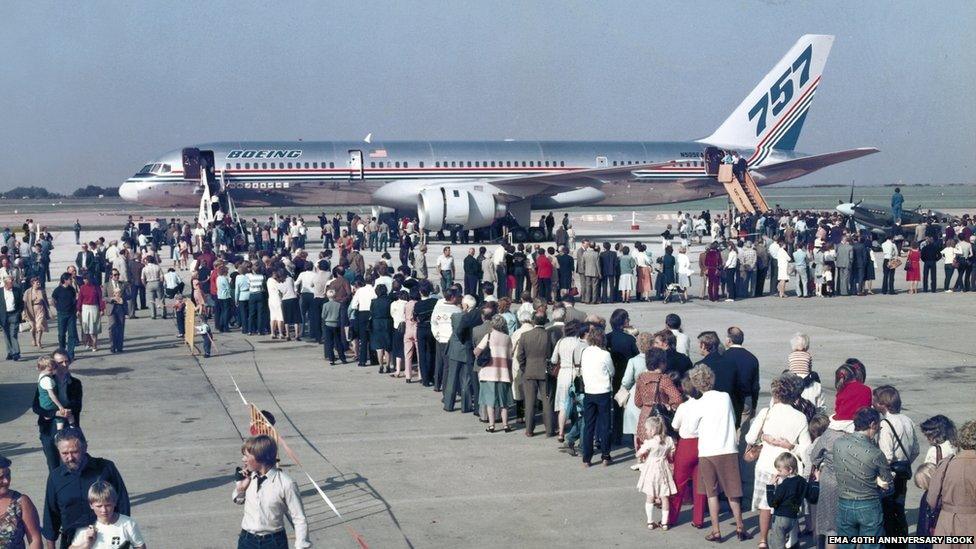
x: 93, y: 90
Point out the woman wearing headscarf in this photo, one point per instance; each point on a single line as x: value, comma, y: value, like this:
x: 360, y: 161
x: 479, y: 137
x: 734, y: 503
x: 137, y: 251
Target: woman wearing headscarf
x: 851, y: 396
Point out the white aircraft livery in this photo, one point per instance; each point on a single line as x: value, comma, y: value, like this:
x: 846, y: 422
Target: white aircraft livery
x: 473, y: 183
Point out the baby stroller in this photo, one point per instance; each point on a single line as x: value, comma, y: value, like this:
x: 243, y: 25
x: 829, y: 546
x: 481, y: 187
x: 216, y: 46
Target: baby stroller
x: 674, y: 289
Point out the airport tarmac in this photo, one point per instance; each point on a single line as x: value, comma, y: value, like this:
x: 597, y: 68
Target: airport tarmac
x: 402, y: 472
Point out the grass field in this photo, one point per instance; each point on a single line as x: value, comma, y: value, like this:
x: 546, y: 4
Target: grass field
x: 106, y: 211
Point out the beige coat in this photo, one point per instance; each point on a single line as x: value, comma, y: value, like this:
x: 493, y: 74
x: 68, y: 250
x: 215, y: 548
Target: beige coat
x: 957, y: 477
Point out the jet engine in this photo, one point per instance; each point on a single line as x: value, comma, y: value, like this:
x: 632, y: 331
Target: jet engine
x: 471, y: 208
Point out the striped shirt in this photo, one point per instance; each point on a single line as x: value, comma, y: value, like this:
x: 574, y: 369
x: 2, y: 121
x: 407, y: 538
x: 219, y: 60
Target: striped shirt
x: 800, y: 363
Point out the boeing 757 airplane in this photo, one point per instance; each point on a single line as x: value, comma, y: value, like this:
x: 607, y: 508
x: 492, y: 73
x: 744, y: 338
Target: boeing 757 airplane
x: 472, y: 183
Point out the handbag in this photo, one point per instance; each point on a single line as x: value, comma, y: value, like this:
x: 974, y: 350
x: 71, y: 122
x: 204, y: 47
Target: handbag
x: 812, y: 493
x: 901, y: 468
x: 932, y: 514
x: 484, y: 357
x: 752, y: 450
x: 662, y: 411
x: 894, y: 263
x: 24, y: 327
x: 578, y: 387
x: 622, y: 396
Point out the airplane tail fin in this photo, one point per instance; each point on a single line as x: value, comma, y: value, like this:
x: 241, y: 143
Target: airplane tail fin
x: 772, y: 115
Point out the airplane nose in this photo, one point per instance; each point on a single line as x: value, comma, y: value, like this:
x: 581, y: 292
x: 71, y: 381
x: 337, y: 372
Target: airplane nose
x: 846, y: 209
x: 129, y: 192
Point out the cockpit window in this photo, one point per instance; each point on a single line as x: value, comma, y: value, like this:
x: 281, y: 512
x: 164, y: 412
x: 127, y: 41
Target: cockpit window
x: 146, y: 169
x: 165, y: 169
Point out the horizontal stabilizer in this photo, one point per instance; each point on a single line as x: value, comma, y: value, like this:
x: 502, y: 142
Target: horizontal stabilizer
x: 791, y: 169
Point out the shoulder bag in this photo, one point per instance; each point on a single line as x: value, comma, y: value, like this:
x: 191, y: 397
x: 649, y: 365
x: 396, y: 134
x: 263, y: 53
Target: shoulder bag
x: 901, y: 468
x: 752, y: 450
x: 484, y: 356
x: 577, y: 375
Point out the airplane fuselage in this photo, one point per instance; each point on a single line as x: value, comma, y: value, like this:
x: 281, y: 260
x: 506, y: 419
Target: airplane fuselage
x: 330, y: 173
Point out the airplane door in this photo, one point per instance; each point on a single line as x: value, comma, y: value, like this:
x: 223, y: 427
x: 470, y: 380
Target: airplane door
x: 355, y: 164
x: 601, y: 162
x: 191, y: 163
x: 713, y: 157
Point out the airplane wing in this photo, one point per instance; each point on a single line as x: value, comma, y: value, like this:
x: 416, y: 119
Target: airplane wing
x: 790, y: 169
x: 553, y: 183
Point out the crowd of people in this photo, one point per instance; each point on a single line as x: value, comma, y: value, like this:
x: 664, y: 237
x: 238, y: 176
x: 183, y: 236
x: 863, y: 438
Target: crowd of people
x: 502, y: 336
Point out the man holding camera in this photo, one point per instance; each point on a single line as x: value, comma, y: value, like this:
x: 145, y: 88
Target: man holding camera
x: 267, y: 493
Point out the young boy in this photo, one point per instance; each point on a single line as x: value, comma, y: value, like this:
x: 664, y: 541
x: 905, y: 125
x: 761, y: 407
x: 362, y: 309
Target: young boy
x: 111, y: 529
x: 47, y: 390
x: 204, y: 331
x: 786, y: 499
x: 179, y: 311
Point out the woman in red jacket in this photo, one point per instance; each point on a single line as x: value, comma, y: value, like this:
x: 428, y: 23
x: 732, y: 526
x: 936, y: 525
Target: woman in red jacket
x: 713, y: 270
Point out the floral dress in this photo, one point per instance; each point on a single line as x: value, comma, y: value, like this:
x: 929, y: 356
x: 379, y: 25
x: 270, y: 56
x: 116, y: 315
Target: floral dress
x: 12, y: 524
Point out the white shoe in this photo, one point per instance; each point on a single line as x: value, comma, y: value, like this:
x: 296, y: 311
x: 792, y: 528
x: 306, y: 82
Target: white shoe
x: 948, y: 291
x: 729, y: 300
x: 635, y: 467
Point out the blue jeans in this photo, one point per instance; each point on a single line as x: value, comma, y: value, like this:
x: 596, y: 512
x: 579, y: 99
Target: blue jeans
x: 859, y: 518
x: 277, y: 540
x: 574, y: 407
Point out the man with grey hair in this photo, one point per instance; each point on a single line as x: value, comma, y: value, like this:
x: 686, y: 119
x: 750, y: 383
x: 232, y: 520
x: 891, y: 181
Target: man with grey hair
x: 460, y: 354
x: 420, y: 263
x: 12, y: 301
x: 65, y: 508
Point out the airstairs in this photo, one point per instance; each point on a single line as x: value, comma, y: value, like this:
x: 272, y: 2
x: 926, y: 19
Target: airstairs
x: 745, y: 195
x: 215, y: 201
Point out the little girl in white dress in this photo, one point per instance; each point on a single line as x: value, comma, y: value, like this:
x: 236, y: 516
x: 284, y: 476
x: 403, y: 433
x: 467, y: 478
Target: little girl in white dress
x: 656, y: 474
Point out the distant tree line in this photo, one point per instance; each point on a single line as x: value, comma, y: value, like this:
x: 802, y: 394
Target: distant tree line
x: 90, y: 191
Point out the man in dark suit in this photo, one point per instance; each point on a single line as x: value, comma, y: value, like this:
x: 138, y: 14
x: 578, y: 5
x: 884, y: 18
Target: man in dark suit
x: 84, y: 260
x: 460, y: 356
x: 425, y: 338
x: 566, y: 267
x: 533, y: 352
x: 608, y: 266
x: 12, y: 301
x: 858, y: 266
x: 45, y: 418
x: 747, y: 366
x: 622, y: 347
x: 726, y: 372
x: 472, y: 273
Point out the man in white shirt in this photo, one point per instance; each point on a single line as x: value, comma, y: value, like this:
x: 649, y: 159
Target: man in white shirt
x: 267, y: 494
x: 441, y: 328
x: 889, y: 251
x: 362, y: 298
x: 501, y: 275
x: 445, y: 264
x: 305, y: 285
